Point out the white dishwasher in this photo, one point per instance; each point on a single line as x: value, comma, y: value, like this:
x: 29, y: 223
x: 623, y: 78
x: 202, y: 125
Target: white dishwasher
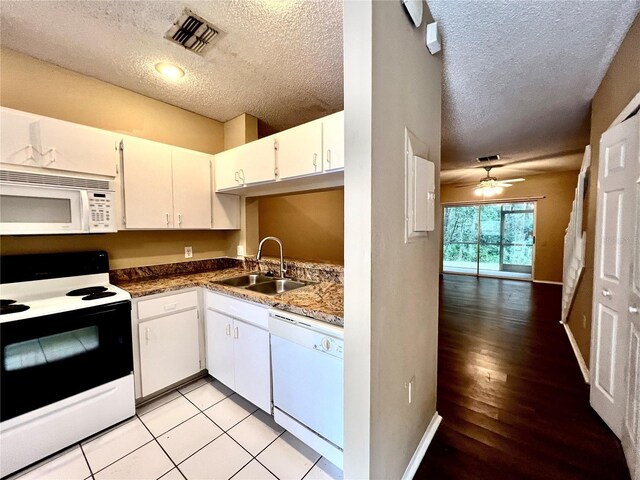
x: 308, y: 381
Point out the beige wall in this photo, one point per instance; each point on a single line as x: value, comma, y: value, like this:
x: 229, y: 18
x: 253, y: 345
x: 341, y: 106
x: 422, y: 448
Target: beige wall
x: 310, y: 225
x: 391, y: 287
x: 42, y: 88
x: 552, y: 215
x: 240, y: 130
x: 618, y: 87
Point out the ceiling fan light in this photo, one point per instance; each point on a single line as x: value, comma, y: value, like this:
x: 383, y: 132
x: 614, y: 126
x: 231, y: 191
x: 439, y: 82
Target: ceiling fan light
x: 498, y: 190
x: 478, y: 191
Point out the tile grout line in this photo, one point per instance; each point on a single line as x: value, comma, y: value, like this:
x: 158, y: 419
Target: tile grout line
x: 312, y: 466
x: 86, y: 459
x: 163, y: 450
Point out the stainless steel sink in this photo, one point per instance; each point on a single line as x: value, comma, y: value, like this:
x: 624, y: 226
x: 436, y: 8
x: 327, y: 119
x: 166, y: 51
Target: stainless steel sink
x: 256, y: 282
x: 277, y: 286
x: 244, y: 281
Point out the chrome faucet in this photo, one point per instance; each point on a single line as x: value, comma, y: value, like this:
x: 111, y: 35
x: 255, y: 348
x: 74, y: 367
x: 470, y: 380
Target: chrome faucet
x: 259, y: 255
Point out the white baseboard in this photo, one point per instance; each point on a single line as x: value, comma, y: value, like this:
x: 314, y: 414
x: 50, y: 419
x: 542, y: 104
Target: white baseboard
x: 420, y: 452
x: 583, y: 366
x: 547, y: 281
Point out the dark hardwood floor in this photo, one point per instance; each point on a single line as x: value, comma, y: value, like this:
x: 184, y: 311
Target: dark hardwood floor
x: 513, y: 401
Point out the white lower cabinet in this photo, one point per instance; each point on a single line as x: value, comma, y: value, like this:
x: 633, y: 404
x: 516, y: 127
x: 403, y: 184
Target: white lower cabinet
x: 238, y: 348
x: 168, y: 340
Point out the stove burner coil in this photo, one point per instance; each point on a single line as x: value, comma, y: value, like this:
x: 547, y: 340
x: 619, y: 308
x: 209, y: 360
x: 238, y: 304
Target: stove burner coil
x: 81, y: 292
x: 95, y: 296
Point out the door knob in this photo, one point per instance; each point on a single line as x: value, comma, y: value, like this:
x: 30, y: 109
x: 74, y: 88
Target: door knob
x: 606, y: 293
x: 633, y: 309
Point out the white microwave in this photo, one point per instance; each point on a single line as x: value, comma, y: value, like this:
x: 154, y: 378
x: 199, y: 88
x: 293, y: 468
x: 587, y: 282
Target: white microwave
x: 39, y: 204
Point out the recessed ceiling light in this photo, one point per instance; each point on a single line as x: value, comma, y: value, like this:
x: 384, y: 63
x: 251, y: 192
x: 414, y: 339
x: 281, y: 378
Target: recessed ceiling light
x: 169, y: 70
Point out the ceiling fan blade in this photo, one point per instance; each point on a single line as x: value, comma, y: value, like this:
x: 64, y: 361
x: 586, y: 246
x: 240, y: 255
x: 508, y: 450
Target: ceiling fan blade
x: 502, y: 184
x: 467, y: 185
x: 513, y: 180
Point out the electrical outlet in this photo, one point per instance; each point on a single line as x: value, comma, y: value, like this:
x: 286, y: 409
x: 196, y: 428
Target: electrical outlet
x: 188, y: 252
x: 240, y: 250
x: 410, y: 387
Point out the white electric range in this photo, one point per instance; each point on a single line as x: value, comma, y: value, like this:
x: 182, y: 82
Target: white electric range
x: 66, y: 354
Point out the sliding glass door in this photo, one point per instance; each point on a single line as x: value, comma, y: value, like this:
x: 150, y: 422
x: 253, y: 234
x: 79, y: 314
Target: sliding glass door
x: 489, y: 239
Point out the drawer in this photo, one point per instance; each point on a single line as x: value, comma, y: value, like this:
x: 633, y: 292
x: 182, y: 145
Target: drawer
x: 249, y: 312
x: 167, y: 305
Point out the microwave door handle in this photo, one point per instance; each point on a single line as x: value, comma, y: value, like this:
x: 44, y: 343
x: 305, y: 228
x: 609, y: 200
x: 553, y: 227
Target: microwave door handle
x: 85, y: 214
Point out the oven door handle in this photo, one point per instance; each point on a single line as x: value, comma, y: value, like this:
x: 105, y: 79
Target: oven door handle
x: 86, y: 212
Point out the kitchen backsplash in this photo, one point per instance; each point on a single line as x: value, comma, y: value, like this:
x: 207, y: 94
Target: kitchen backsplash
x: 168, y: 269
x: 305, y: 270
x: 313, y: 271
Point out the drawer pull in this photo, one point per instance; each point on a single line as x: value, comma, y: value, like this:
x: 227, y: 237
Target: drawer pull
x: 170, y: 306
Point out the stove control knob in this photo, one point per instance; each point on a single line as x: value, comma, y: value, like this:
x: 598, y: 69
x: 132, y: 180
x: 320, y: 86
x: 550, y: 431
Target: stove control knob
x: 326, y: 344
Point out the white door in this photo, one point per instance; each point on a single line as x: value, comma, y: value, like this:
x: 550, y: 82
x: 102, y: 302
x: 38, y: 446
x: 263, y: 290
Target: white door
x: 226, y: 170
x: 169, y: 350
x: 20, y: 142
x: 191, y: 189
x: 300, y: 151
x: 219, y: 342
x: 77, y: 148
x: 252, y: 364
x: 333, y: 142
x: 631, y: 424
x: 257, y: 161
x: 147, y: 182
x: 614, y: 244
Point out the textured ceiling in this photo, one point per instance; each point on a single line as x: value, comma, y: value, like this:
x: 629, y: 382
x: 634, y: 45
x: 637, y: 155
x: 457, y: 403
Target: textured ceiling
x: 503, y: 170
x: 280, y: 60
x: 519, y: 76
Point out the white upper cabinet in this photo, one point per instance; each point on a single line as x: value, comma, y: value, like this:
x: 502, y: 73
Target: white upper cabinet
x: 227, y: 170
x: 191, y: 189
x: 170, y: 187
x: 36, y: 141
x: 20, y: 138
x: 249, y: 164
x: 333, y: 142
x: 310, y: 149
x: 257, y: 161
x: 300, y: 151
x: 147, y: 181
x: 76, y: 148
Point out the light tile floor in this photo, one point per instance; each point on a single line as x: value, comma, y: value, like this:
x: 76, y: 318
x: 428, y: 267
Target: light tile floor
x: 201, y: 431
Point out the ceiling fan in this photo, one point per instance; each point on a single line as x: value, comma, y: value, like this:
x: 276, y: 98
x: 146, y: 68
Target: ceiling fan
x: 490, y: 186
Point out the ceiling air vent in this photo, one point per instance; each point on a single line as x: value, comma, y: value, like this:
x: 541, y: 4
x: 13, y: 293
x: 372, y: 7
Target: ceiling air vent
x: 488, y: 158
x: 192, y: 32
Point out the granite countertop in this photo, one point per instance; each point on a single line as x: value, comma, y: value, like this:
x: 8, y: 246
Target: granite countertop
x: 322, y: 301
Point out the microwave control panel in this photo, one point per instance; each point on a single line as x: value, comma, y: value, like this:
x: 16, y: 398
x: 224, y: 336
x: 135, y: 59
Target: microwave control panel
x: 102, y: 217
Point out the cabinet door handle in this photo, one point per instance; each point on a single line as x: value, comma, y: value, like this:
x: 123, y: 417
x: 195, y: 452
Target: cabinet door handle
x: 235, y: 332
x: 147, y: 334
x: 179, y: 219
x: 166, y: 215
x: 242, y: 176
x: 238, y: 176
x: 633, y: 309
x: 329, y: 156
x: 315, y: 159
x: 227, y: 329
x: 606, y: 293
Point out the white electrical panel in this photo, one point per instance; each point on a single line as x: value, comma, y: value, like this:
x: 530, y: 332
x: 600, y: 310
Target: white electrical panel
x: 424, y: 195
x: 420, y: 201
